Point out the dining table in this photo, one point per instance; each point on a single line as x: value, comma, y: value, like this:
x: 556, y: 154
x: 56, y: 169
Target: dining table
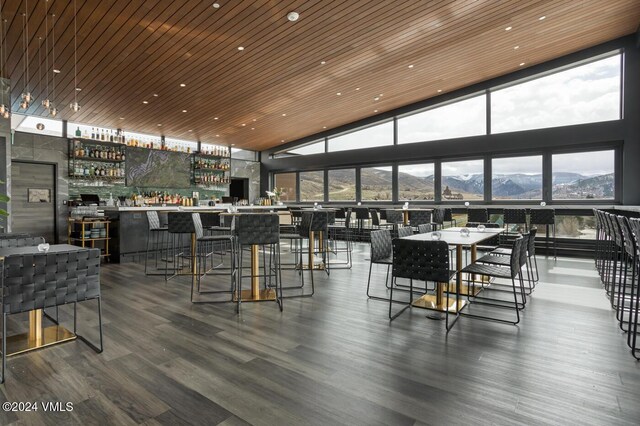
x: 38, y: 336
x: 454, y: 237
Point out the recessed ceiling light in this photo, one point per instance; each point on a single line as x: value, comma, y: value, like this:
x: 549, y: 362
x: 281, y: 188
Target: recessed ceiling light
x: 78, y: 89
x: 338, y: 94
x: 284, y: 115
x: 281, y: 140
x: 410, y: 66
x: 541, y: 18
x: 191, y: 130
x: 253, y: 128
x: 56, y: 71
x: 380, y: 95
x: 159, y: 125
x: 521, y: 63
x: 121, y: 118
x: 357, y: 88
x: 376, y: 98
x: 216, y: 5
x: 233, y: 144
x: 240, y: 48
x: 184, y: 110
x: 323, y: 62
x: 243, y: 124
x: 155, y: 95
x: 439, y: 90
x: 182, y: 85
x: 217, y: 136
x: 375, y: 110
x: 516, y: 47
x: 324, y: 127
x: 255, y: 119
x: 293, y: 16
x: 508, y: 29
x: 145, y: 102
x: 215, y: 118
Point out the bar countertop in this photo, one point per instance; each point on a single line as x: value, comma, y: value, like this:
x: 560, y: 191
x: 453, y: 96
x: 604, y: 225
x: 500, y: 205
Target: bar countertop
x: 217, y: 207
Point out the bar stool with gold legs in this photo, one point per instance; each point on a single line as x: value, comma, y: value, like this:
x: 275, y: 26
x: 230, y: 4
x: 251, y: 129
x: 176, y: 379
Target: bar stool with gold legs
x: 156, y: 242
x: 180, y: 228
x: 260, y: 231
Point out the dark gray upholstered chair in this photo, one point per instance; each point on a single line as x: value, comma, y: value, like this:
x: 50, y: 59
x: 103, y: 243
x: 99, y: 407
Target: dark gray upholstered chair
x: 477, y: 215
x: 394, y: 218
x: 423, y: 228
x: 46, y: 280
x: 546, y: 218
x: 261, y: 230
x: 205, y: 247
x: 157, y: 238
x: 426, y: 261
x: 404, y: 231
x: 179, y: 227
x: 513, y: 272
x: 342, y: 233
x: 381, y: 254
x: 419, y: 217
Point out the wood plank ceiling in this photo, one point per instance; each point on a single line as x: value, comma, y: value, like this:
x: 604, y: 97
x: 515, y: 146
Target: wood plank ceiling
x: 285, y: 83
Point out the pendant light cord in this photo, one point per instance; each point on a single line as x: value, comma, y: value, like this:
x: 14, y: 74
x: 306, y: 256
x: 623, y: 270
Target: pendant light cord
x: 75, y: 53
x: 53, y: 54
x: 26, y: 43
x: 46, y: 43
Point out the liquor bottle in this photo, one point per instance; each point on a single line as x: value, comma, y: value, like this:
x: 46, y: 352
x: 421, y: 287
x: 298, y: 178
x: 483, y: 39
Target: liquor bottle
x: 110, y: 135
x: 78, y: 132
x: 93, y: 133
x: 85, y: 134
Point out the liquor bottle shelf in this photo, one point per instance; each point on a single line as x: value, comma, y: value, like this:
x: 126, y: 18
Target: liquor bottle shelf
x: 92, y: 159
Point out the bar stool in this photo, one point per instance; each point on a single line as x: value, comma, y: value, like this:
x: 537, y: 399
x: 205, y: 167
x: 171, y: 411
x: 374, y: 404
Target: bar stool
x: 546, y: 218
x: 262, y: 230
x: 513, y: 217
x: 362, y: 214
x: 203, y: 249
x: 628, y: 267
x: 634, y: 293
x: 156, y: 238
x: 179, y: 224
x: 341, y: 233
x: 477, y: 215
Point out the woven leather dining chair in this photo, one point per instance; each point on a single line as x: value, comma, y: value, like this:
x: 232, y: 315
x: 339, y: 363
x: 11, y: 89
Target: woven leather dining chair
x: 426, y: 261
x: 46, y: 280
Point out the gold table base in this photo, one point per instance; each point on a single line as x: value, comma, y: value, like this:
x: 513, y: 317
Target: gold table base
x: 430, y: 301
x: 47, y: 336
x: 262, y: 295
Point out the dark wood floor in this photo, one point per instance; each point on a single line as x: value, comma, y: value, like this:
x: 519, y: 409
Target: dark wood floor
x: 334, y: 359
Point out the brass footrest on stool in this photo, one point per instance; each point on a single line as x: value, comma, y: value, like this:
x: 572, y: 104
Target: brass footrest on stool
x: 263, y: 295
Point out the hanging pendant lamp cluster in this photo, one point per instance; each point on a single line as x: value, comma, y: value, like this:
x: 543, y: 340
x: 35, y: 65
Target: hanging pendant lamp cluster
x: 75, y: 106
x: 5, y: 110
x: 26, y: 95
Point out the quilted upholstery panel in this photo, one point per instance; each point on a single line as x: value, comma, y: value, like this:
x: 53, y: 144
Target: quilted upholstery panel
x: 21, y: 242
x: 421, y: 260
x: 362, y: 213
x: 320, y: 221
x: 477, y: 215
x: 424, y: 228
x: 404, y: 231
x: 41, y: 280
x: 210, y: 219
x: 512, y: 216
x: 153, y: 219
x: 419, y: 217
x: 181, y: 223
x: 258, y: 228
x: 438, y: 215
x: 394, y: 216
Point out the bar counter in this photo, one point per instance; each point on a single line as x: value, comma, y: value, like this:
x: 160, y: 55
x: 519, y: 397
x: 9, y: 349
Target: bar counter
x: 129, y: 226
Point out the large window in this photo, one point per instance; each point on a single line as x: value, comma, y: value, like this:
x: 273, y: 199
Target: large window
x: 376, y: 184
x: 287, y: 184
x: 583, y: 94
x: 312, y: 186
x: 342, y: 185
x: 583, y: 175
x: 415, y: 182
x: 369, y: 137
x: 311, y: 148
x: 518, y: 178
x: 463, y: 180
x: 454, y: 120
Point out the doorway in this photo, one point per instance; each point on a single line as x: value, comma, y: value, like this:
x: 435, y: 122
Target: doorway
x: 239, y: 187
x: 33, y: 199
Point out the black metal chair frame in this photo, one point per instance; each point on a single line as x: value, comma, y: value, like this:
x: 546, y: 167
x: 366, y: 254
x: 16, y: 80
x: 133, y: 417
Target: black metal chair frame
x: 157, y: 237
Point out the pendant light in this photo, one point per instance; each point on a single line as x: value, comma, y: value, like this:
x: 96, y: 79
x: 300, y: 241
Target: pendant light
x: 4, y: 108
x: 46, y: 102
x: 53, y: 111
x: 75, y: 107
x: 26, y: 95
